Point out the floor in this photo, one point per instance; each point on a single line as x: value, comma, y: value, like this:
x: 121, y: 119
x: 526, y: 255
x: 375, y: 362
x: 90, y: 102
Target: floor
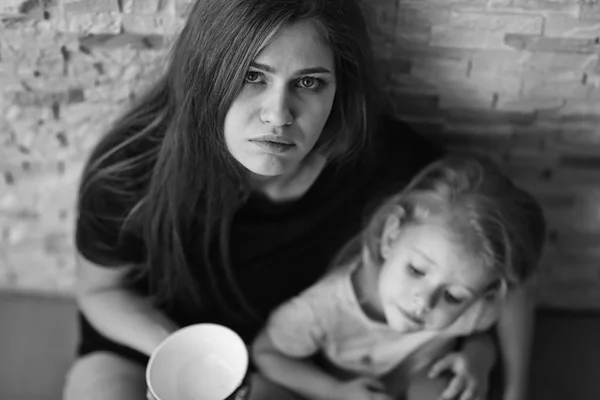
x: 38, y: 335
x: 37, y: 338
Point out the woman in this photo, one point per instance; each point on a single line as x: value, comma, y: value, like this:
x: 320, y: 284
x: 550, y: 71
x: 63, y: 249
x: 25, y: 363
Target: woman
x: 229, y: 187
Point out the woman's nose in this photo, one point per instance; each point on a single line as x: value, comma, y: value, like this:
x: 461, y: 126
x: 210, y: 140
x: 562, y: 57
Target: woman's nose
x: 276, y: 108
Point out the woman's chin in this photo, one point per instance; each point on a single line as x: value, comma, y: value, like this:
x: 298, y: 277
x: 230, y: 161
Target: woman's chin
x: 269, y: 167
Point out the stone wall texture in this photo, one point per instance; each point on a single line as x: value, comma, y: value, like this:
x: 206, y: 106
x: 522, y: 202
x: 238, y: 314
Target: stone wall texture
x: 516, y: 79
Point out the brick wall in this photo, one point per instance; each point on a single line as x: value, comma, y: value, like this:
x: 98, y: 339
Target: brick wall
x: 67, y: 68
x: 517, y: 79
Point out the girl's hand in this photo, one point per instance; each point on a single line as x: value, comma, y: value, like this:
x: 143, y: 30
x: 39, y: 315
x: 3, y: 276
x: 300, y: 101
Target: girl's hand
x: 467, y: 382
x: 362, y: 389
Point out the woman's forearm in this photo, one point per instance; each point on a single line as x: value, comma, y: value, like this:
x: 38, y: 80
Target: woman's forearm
x: 515, y: 331
x: 480, y: 348
x: 297, y: 375
x: 126, y: 318
x: 118, y: 313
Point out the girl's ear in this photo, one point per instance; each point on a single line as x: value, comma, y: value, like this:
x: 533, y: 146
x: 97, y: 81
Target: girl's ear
x: 496, y: 290
x: 391, y: 231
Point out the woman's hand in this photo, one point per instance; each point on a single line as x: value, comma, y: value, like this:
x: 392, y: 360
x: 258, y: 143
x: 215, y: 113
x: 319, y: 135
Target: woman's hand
x: 469, y: 381
x: 471, y: 367
x: 362, y: 389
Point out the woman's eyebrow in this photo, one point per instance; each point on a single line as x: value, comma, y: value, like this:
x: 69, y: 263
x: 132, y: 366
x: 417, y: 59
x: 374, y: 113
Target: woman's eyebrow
x: 263, y: 67
x: 305, y: 71
x: 315, y: 70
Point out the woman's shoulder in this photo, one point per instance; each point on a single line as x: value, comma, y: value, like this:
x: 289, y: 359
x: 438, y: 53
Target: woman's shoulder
x: 402, y: 145
x: 399, y: 153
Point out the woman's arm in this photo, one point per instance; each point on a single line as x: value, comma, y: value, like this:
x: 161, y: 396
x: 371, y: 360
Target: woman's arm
x: 470, y: 368
x: 515, y: 331
x: 118, y: 313
x: 298, y: 375
x: 480, y: 347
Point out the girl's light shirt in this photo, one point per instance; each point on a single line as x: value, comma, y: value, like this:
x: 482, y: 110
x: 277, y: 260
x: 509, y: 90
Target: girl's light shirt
x: 327, y: 318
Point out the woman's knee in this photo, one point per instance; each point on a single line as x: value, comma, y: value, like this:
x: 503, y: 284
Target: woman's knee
x: 105, y: 376
x: 263, y: 389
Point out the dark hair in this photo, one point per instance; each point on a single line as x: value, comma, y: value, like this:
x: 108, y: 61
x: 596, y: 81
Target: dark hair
x: 167, y: 158
x: 501, y: 224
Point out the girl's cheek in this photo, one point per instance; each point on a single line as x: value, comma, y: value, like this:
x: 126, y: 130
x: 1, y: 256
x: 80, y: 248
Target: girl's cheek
x: 451, y: 316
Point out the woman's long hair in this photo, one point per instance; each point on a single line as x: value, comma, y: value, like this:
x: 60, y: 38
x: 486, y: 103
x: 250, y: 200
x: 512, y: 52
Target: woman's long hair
x: 166, y: 158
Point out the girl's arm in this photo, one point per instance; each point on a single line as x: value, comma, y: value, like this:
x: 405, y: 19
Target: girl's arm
x: 295, y: 374
x: 116, y: 312
x: 515, y: 331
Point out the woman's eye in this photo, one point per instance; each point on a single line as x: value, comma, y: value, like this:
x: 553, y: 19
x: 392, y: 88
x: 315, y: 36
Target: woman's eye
x: 414, y: 271
x: 450, y: 298
x: 310, y: 83
x: 307, y: 82
x: 252, y: 76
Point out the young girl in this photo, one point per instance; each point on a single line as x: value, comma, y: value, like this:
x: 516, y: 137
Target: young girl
x: 435, y: 263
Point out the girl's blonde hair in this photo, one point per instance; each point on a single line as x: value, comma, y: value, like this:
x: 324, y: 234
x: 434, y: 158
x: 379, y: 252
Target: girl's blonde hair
x: 495, y: 220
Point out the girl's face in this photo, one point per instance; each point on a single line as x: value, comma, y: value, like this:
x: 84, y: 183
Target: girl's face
x: 427, y: 280
x: 287, y: 97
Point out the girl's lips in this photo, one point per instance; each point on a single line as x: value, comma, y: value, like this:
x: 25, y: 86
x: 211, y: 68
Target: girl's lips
x: 411, y: 318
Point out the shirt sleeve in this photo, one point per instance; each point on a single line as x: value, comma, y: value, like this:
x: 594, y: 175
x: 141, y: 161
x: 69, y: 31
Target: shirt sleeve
x: 100, y: 234
x: 295, y: 328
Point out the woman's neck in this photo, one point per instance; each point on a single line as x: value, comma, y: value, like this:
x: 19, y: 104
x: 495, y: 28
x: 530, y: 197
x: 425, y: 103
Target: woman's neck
x: 292, y: 185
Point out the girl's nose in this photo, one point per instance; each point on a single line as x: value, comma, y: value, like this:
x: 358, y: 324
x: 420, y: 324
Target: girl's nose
x: 276, y: 109
x: 423, y: 302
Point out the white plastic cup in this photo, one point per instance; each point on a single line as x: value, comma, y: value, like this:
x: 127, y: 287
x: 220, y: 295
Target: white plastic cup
x: 199, y: 362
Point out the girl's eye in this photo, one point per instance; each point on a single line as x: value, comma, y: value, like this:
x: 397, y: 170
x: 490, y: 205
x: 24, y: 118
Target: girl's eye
x: 451, y: 298
x: 252, y: 77
x: 310, y: 83
x: 415, y: 272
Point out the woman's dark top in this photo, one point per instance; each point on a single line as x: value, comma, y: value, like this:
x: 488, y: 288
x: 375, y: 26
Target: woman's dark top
x: 279, y: 249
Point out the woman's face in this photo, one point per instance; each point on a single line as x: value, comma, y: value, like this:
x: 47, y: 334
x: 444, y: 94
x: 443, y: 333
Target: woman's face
x: 285, y: 102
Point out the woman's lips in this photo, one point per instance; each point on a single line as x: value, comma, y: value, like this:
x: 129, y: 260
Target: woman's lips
x: 273, y: 147
x: 273, y: 143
